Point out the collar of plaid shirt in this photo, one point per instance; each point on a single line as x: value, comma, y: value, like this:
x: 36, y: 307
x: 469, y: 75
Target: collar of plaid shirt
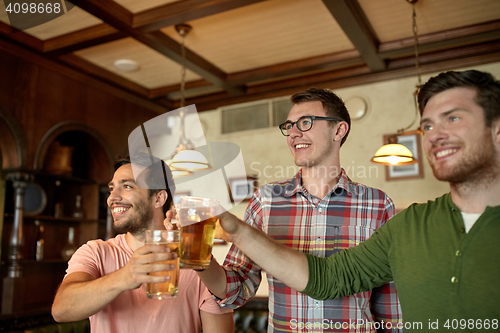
x: 295, y: 186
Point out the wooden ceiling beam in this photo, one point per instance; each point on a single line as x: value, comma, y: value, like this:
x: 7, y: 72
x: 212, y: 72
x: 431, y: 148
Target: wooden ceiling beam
x: 171, y: 49
x: 341, y: 79
x: 442, y: 40
x: 182, y: 12
x: 329, y: 61
x: 353, y: 21
x: 311, y: 80
x: 354, y: 67
x: 20, y: 37
x: 448, y: 55
x: 108, y: 11
x: 148, y: 20
x: 276, y: 88
x: 163, y: 91
x: 168, y: 103
x: 157, y: 41
x: 95, y: 35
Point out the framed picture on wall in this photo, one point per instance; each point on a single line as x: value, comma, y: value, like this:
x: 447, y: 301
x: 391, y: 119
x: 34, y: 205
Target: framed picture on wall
x: 410, y: 171
x: 241, y: 189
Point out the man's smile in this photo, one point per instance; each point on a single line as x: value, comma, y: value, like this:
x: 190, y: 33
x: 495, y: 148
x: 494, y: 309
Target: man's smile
x: 444, y: 152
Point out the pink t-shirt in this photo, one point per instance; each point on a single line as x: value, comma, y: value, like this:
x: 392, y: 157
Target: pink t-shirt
x: 132, y: 311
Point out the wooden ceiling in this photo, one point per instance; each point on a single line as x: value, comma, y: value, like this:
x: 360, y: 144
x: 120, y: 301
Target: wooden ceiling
x: 244, y: 50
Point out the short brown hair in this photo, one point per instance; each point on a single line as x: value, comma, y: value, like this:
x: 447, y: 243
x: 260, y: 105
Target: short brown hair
x: 486, y: 87
x: 333, y: 105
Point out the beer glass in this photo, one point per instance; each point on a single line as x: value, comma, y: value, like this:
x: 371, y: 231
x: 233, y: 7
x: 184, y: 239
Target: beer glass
x: 167, y: 289
x: 197, y: 229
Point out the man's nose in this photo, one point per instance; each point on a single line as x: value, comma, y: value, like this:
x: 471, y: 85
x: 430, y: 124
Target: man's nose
x: 294, y: 131
x: 114, y: 196
x: 437, y: 134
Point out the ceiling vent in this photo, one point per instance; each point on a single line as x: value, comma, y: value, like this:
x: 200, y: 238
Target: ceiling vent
x: 263, y: 114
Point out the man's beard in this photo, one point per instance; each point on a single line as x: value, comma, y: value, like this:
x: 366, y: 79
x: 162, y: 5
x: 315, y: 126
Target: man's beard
x: 139, y: 223
x: 478, y: 165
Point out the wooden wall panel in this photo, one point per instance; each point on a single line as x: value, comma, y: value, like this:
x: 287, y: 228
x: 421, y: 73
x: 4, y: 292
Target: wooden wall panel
x: 40, y: 98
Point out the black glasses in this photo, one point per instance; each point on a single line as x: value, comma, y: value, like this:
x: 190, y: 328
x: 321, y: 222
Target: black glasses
x: 304, y: 124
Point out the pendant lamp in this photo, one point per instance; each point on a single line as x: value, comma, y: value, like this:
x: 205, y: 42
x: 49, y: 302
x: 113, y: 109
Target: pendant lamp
x: 186, y: 159
x: 394, y: 153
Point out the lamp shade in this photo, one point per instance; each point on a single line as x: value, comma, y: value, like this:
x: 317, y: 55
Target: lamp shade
x: 394, y: 154
x: 189, y: 160
x: 177, y: 172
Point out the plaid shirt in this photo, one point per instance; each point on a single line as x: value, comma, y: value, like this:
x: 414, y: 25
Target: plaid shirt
x: 348, y: 215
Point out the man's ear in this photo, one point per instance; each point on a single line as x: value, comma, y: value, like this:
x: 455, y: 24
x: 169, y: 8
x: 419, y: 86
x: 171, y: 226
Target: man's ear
x: 161, y: 198
x: 495, y: 128
x: 342, y: 129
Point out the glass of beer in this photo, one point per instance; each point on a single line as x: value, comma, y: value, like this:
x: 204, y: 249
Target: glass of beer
x: 167, y: 289
x: 197, y: 228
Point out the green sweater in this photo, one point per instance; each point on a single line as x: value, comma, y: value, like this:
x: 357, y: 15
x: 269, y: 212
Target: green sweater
x: 441, y: 272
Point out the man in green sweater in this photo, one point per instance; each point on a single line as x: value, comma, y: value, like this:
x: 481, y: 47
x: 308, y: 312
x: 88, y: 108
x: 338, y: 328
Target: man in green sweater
x: 444, y: 256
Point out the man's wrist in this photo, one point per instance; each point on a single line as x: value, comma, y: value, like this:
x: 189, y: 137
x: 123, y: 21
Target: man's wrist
x: 242, y: 232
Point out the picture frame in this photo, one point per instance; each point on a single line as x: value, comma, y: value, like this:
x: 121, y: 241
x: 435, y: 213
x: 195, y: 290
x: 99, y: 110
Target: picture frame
x: 241, y: 189
x: 413, y: 142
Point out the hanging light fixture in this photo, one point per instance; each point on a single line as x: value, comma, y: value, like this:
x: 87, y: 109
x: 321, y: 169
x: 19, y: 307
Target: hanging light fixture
x: 186, y: 159
x: 394, y: 153
x: 177, y: 172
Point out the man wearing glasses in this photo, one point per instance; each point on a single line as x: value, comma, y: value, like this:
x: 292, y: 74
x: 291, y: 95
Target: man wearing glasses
x: 319, y: 211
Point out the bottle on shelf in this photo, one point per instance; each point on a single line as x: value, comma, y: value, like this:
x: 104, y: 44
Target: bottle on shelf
x: 70, y: 247
x: 58, y: 206
x: 39, y: 242
x: 78, y: 213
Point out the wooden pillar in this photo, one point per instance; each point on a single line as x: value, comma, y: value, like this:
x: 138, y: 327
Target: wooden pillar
x: 13, y: 284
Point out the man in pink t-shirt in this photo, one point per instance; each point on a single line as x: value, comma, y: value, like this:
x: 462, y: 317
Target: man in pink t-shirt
x: 105, y: 280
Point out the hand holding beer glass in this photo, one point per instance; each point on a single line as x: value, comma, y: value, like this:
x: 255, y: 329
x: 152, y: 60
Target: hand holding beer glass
x: 197, y: 229
x: 167, y: 289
